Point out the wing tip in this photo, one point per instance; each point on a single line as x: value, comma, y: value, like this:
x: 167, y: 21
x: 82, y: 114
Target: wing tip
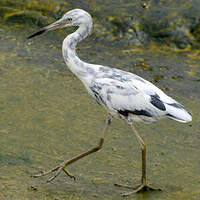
x: 187, y: 117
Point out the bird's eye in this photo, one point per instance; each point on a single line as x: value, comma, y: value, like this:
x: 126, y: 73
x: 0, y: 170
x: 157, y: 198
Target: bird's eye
x: 69, y: 19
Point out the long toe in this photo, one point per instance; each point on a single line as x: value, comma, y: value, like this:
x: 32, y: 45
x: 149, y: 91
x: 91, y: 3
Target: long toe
x: 137, y: 189
x: 141, y: 188
x: 69, y: 174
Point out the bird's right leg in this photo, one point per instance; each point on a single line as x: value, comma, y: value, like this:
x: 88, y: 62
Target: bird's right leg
x: 62, y: 166
x: 143, y: 186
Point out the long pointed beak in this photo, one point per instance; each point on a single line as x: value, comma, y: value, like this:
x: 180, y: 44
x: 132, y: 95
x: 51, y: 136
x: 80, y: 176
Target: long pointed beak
x: 56, y: 25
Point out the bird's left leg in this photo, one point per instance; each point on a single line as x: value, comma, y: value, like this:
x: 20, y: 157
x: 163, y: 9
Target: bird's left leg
x: 63, y: 165
x: 143, y: 186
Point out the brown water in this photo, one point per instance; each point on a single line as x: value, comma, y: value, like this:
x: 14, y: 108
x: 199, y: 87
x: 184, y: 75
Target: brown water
x: 46, y: 116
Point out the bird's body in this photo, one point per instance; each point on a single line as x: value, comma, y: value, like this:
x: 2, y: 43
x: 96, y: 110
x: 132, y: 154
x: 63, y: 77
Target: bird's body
x: 121, y: 93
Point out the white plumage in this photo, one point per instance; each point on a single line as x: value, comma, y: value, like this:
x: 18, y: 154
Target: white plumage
x: 119, y: 92
x: 135, y: 98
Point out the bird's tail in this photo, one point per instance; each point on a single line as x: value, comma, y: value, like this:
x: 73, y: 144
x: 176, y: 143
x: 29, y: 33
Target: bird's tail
x: 177, y: 112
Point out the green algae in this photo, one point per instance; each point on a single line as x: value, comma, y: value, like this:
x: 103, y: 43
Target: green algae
x: 31, y: 18
x: 31, y: 13
x: 172, y: 23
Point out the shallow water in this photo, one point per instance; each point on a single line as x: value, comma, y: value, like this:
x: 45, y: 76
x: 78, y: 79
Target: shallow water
x: 47, y: 117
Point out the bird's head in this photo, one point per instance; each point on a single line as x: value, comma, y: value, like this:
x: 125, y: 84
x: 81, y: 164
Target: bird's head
x: 75, y: 17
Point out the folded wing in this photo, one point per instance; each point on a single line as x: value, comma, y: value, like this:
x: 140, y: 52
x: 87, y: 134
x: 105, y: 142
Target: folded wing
x: 136, y: 98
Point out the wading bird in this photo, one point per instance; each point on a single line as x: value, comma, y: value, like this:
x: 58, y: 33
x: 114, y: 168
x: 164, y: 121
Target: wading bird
x: 121, y: 93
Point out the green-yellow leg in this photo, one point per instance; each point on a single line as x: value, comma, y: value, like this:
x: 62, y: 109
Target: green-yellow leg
x: 143, y: 186
x: 62, y: 167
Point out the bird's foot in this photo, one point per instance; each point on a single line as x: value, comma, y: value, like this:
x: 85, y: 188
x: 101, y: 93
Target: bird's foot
x: 139, y: 188
x: 57, y: 171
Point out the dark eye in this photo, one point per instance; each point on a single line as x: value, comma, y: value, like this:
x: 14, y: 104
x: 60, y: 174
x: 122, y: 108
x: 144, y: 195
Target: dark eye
x: 69, y: 19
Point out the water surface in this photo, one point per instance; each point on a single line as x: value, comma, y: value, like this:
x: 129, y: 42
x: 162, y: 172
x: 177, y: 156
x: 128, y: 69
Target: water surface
x: 47, y: 117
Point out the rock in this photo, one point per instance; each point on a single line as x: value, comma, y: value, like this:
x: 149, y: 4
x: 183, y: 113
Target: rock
x: 173, y: 23
x: 25, y: 17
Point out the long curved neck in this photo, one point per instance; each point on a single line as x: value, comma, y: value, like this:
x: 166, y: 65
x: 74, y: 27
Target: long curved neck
x: 75, y: 64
